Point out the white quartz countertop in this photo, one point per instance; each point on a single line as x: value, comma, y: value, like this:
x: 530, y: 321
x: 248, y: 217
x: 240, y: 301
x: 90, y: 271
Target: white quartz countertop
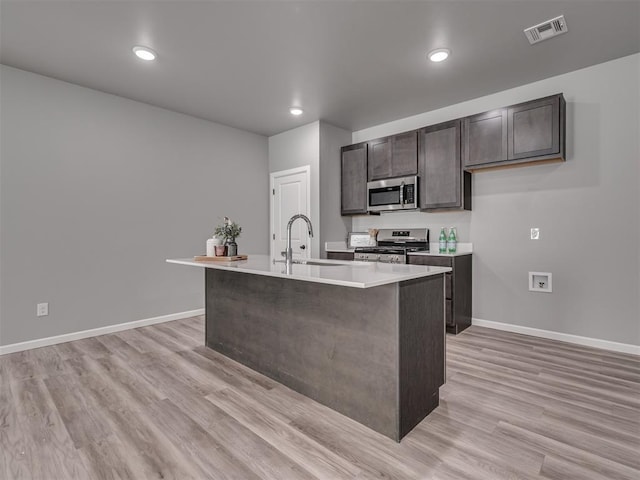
x: 462, y: 249
x: 331, y: 272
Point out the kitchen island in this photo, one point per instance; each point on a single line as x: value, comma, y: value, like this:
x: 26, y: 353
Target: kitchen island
x: 365, y: 339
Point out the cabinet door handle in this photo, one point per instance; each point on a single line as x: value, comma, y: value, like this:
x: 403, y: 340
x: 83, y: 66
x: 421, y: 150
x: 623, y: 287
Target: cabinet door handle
x: 302, y: 247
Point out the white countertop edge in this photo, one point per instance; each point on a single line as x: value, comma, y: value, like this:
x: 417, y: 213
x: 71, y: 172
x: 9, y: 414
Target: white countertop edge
x: 436, y: 254
x: 234, y: 267
x: 337, y: 247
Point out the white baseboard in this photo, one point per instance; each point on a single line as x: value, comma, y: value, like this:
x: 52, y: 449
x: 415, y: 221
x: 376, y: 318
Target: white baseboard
x: 563, y: 337
x: 94, y: 332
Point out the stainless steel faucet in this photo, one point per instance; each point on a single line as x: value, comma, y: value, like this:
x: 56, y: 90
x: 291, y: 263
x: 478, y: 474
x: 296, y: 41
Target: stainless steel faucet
x: 289, y: 251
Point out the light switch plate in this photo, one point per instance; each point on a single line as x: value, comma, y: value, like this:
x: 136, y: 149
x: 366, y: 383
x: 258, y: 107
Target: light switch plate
x: 42, y: 309
x: 535, y: 233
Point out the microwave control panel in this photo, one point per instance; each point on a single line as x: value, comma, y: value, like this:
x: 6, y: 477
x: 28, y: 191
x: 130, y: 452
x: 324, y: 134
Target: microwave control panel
x: 409, y: 196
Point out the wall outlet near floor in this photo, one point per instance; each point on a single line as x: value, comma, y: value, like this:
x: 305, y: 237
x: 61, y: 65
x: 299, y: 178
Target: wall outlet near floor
x: 42, y: 309
x: 540, y: 282
x: 535, y: 233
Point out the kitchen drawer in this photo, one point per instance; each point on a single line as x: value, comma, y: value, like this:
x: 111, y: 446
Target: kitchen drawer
x: 448, y: 281
x: 339, y: 256
x: 433, y: 261
x: 448, y: 312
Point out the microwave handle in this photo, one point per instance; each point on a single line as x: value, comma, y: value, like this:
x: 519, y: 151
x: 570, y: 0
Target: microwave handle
x: 402, y: 193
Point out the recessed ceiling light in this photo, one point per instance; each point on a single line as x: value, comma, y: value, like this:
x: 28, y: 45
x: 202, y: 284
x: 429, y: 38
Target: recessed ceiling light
x: 439, y: 55
x: 296, y: 111
x: 144, y: 53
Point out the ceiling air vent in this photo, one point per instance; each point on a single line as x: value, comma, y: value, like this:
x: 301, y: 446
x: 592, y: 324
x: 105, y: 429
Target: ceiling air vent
x: 546, y: 30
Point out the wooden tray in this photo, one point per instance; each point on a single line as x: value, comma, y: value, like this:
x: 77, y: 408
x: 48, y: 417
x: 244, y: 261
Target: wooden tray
x: 204, y: 258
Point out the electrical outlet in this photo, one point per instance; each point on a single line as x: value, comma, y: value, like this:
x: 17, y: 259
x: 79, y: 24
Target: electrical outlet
x: 535, y: 234
x: 42, y: 309
x: 540, y: 282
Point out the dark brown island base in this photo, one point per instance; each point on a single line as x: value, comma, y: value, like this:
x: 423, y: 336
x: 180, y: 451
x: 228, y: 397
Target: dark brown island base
x: 373, y: 354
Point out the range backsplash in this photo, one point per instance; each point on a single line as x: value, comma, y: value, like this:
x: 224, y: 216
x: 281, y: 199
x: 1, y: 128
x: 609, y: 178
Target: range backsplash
x: 433, y: 221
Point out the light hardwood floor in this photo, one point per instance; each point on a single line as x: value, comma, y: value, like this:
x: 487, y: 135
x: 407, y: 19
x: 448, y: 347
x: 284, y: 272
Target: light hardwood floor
x: 154, y: 403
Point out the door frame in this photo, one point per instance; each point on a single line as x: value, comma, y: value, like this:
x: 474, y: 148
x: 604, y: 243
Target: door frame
x: 306, y: 169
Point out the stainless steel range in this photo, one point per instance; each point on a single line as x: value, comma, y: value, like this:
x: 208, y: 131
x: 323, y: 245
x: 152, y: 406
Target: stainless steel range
x: 393, y: 245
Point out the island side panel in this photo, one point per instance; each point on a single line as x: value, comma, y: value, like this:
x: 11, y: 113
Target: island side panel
x: 337, y: 345
x: 422, y: 344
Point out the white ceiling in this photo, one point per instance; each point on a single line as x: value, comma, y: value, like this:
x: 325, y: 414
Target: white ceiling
x: 352, y: 63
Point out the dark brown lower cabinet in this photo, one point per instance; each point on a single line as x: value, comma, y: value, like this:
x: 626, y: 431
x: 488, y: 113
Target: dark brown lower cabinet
x: 457, y: 311
x: 373, y: 354
x: 457, y: 287
x: 339, y: 256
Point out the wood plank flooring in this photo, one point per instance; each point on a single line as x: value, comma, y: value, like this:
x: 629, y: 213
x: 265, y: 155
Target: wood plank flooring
x: 154, y: 403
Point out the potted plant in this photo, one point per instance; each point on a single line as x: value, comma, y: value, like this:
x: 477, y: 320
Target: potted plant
x: 229, y: 230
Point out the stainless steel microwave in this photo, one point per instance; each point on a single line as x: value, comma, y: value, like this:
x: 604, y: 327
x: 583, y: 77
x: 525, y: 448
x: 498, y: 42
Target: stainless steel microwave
x: 392, y: 194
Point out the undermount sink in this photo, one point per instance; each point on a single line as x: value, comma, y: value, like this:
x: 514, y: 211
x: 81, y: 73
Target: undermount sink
x: 319, y: 264
x: 315, y: 263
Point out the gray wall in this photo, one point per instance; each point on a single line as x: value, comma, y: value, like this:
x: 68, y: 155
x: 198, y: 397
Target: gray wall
x: 588, y: 210
x: 333, y: 226
x: 317, y: 145
x: 296, y: 148
x: 96, y: 191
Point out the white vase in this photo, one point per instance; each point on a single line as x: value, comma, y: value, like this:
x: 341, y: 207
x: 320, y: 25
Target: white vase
x: 211, y: 247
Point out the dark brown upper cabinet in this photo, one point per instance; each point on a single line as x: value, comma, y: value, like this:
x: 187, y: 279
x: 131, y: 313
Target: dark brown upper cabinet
x: 395, y: 156
x: 354, y: 179
x: 534, y: 128
x: 404, y: 154
x: 444, y: 155
x: 442, y: 184
x: 379, y: 164
x: 485, y: 138
x: 529, y: 132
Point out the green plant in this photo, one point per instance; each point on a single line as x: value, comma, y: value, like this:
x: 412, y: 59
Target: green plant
x: 228, y: 230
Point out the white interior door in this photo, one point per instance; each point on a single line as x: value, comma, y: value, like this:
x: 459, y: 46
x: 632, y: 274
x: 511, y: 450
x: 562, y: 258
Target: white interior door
x: 290, y: 195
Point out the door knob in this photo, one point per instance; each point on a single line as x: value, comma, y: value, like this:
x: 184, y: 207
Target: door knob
x: 302, y: 247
